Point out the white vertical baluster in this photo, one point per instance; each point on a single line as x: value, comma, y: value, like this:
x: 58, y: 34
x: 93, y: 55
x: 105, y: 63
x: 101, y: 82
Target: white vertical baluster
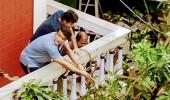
x: 55, y: 85
x: 94, y: 66
x: 102, y: 73
x: 107, y: 62
x: 98, y: 57
x: 88, y: 37
x: 65, y: 87
x: 98, y: 61
x: 120, y: 69
x: 97, y: 72
x: 83, y: 86
x: 73, y: 95
x: 111, y: 57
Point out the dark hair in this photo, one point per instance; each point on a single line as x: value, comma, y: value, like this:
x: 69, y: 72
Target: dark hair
x: 80, y: 34
x: 70, y: 16
x: 65, y: 33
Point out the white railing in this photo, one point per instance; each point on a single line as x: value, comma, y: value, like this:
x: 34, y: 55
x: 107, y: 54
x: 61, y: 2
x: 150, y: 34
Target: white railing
x: 113, y: 36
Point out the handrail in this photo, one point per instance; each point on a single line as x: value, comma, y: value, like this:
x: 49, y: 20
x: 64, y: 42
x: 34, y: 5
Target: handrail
x: 113, y: 36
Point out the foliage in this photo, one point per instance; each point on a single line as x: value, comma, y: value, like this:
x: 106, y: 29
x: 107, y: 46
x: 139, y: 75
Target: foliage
x: 35, y: 90
x: 151, y: 68
x: 154, y: 26
x: 108, y: 92
x: 165, y: 95
x: 149, y: 58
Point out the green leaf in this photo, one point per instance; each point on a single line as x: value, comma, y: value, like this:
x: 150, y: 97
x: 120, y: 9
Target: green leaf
x: 168, y: 33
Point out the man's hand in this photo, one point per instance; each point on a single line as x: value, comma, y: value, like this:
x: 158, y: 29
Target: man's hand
x: 76, y: 51
x: 81, y: 67
x: 87, y: 75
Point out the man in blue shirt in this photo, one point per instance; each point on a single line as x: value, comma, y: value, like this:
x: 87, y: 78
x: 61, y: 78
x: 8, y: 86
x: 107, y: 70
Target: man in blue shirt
x: 56, y: 21
x: 44, y: 49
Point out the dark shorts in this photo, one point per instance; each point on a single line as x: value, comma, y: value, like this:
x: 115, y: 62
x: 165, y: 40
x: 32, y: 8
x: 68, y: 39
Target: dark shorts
x: 28, y: 70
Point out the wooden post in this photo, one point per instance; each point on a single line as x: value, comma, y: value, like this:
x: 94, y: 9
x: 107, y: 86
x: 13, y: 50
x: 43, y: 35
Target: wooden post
x: 80, y: 3
x: 96, y: 8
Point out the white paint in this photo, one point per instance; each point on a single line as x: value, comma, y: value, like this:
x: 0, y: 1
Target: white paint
x: 65, y: 88
x: 102, y: 72
x: 83, y: 86
x: 40, y: 13
x: 111, y: 60
x: 73, y: 95
x: 120, y: 61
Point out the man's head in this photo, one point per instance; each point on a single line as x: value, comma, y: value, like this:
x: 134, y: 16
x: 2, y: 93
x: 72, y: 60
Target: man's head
x: 82, y: 39
x: 69, y: 18
x: 62, y: 36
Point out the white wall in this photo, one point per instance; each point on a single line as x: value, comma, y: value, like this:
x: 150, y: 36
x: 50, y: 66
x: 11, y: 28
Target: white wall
x: 40, y: 12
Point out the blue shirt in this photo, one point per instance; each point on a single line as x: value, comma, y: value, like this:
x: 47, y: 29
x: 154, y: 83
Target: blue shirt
x: 40, y: 51
x: 51, y: 24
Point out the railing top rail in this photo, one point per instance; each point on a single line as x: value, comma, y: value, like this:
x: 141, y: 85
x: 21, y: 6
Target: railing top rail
x: 85, y: 20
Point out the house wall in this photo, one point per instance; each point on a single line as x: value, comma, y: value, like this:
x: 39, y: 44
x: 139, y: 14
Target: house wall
x: 16, y: 28
x: 40, y: 13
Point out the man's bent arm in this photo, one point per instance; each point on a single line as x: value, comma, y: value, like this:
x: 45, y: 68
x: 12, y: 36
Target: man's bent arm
x: 73, y: 40
x: 71, y: 67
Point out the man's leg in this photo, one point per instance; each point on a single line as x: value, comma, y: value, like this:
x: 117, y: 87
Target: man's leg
x: 24, y: 68
x: 28, y: 70
x: 31, y: 69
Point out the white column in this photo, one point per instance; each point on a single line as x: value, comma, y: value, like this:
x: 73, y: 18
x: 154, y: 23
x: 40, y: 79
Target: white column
x: 107, y: 62
x: 96, y: 8
x: 88, y: 37
x: 98, y: 61
x: 73, y: 95
x: 111, y: 60
x: 65, y: 87
x: 40, y: 13
x: 96, y: 73
x: 102, y: 72
x: 80, y: 3
x: 83, y: 86
x: 55, y: 85
x: 120, y: 69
